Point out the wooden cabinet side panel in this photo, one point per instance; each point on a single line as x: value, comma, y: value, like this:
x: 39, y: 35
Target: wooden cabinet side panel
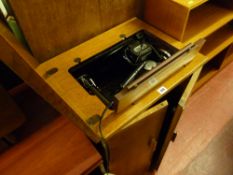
x: 52, y: 27
x: 167, y: 16
x: 131, y: 149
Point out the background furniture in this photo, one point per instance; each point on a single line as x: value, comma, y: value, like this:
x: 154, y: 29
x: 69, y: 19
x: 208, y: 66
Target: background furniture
x: 11, y: 116
x: 59, y: 148
x: 189, y: 20
x: 133, y: 146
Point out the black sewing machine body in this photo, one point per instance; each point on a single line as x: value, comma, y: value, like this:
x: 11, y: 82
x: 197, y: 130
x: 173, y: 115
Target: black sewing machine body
x: 117, y: 68
x: 105, y: 73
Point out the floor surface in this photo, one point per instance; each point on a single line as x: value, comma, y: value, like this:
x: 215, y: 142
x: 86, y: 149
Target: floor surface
x: 203, y: 130
x: 216, y: 158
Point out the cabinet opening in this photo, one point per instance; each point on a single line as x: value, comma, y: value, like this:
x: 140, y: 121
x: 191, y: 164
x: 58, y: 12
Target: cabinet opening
x: 205, y: 20
x: 211, y: 68
x: 190, y: 4
x: 218, y: 41
x: 229, y: 56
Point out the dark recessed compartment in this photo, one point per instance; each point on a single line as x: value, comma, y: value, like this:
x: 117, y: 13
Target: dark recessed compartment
x: 108, y: 72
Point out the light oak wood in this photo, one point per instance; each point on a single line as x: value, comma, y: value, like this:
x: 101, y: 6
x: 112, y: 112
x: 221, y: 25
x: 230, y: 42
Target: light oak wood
x: 177, y: 114
x: 183, y: 22
x: 52, y: 27
x: 211, y: 68
x: 114, y: 12
x: 68, y: 97
x: 115, y: 122
x: 131, y: 149
x: 212, y: 18
x: 206, y: 77
x: 225, y: 3
x: 63, y: 91
x: 220, y: 60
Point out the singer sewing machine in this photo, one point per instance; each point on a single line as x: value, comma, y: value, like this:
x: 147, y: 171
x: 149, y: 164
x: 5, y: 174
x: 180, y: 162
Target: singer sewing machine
x: 123, y: 73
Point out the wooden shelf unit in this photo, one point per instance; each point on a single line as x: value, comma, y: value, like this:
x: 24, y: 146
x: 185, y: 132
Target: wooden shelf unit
x: 71, y: 99
x: 210, y: 69
x: 185, y: 21
x: 216, y: 50
x: 197, y: 19
x: 205, y: 20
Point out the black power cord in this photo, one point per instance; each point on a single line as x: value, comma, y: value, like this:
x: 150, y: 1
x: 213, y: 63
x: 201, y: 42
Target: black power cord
x: 103, y: 141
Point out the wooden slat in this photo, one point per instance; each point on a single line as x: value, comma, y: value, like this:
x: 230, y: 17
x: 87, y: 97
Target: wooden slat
x: 189, y: 88
x: 52, y: 27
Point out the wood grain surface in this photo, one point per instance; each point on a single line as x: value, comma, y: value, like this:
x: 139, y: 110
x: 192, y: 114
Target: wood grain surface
x: 63, y: 92
x: 18, y: 59
x: 52, y: 27
x: 168, y: 16
x: 131, y: 149
x: 60, y: 148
